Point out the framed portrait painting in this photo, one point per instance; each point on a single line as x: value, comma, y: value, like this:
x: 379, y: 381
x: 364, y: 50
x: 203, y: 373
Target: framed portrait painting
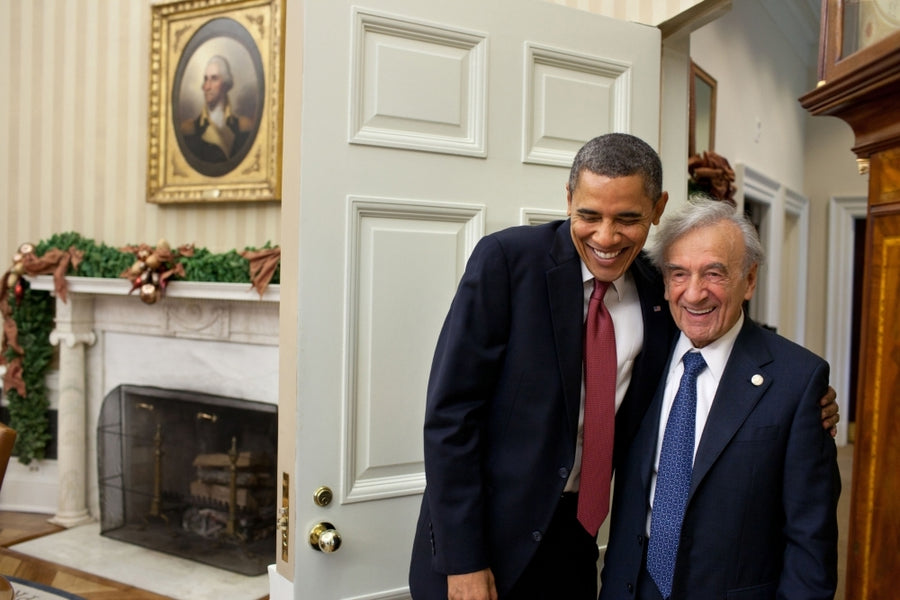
x: 215, y: 101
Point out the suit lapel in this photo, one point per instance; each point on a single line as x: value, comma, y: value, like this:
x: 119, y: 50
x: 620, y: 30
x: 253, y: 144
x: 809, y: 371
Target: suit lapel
x: 649, y: 366
x: 648, y: 434
x: 565, y: 290
x: 740, y: 389
x: 648, y: 437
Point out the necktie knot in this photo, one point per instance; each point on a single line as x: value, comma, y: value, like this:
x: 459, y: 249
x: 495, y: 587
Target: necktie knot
x: 600, y: 288
x: 693, y: 363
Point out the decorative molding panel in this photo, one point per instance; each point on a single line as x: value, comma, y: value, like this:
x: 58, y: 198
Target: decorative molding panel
x: 753, y: 186
x: 796, y: 237
x: 780, y: 297
x: 199, y: 319
x: 753, y: 183
x: 537, y: 216
x: 417, y: 85
x: 569, y: 98
x: 386, y: 381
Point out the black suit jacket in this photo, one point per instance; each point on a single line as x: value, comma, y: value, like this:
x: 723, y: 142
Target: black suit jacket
x: 761, y: 517
x: 503, y: 401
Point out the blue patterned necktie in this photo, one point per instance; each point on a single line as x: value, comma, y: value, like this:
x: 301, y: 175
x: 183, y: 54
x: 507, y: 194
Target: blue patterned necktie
x: 673, y: 480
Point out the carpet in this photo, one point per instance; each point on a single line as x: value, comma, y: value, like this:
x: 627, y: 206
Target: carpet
x: 29, y: 590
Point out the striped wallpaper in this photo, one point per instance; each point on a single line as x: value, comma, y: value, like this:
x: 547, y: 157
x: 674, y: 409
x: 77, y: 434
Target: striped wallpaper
x: 73, y: 125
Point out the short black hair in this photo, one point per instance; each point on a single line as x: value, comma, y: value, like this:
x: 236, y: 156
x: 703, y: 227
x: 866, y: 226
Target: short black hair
x: 619, y: 155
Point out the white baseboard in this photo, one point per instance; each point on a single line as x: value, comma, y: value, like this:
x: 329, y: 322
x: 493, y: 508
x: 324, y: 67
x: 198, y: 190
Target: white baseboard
x: 279, y: 587
x: 30, y: 488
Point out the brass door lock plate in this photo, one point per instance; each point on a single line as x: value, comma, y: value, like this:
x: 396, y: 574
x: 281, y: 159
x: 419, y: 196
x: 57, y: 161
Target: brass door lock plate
x: 283, y: 522
x: 323, y: 496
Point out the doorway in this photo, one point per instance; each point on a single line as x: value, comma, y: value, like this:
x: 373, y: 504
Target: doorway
x: 859, y: 252
x: 846, y: 239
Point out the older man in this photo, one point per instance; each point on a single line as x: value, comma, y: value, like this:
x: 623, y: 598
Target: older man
x: 738, y: 479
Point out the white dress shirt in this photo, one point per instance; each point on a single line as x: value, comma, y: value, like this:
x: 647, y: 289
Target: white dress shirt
x: 716, y: 356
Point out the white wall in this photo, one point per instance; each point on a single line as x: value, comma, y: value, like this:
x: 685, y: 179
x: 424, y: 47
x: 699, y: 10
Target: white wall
x: 760, y: 123
x: 760, y: 76
x: 829, y: 171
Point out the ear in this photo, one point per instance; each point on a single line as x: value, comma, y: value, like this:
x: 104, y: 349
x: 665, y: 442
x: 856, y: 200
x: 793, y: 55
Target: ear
x: 659, y: 207
x: 568, y: 201
x: 751, y: 281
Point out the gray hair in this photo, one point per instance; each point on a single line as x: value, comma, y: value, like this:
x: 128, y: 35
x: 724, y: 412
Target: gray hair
x: 619, y: 155
x: 224, y: 70
x: 703, y: 210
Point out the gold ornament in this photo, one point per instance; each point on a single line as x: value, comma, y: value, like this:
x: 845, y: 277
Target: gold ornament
x: 149, y: 293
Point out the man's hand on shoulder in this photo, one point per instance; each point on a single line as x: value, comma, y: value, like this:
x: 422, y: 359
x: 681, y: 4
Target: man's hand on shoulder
x: 472, y: 586
x: 830, y: 416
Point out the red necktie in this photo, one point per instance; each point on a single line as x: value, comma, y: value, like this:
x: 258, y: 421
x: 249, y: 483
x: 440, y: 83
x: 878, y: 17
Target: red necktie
x: 599, y: 412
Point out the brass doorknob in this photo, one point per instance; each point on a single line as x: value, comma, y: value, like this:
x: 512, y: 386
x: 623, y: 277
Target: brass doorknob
x: 323, y: 537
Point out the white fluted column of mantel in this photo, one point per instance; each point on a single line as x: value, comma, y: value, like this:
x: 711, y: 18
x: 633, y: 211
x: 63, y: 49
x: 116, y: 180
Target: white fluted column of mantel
x: 74, y: 329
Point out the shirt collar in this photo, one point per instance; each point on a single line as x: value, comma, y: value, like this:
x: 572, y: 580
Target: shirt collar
x: 617, y: 285
x: 716, y: 353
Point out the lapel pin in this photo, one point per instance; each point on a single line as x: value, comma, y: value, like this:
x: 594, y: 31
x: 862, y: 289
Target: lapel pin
x: 756, y: 380
x: 657, y: 308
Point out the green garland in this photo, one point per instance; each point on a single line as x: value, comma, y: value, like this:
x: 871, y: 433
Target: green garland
x: 28, y: 415
x: 33, y: 314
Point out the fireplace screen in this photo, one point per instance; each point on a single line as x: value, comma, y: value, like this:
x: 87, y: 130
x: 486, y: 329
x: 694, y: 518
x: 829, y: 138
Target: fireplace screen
x: 189, y: 474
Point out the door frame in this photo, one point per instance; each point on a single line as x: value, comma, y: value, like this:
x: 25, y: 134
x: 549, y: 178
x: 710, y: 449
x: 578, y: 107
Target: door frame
x: 842, y: 211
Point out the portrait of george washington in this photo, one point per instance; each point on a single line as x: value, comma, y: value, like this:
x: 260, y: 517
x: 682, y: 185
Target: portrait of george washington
x: 217, y: 97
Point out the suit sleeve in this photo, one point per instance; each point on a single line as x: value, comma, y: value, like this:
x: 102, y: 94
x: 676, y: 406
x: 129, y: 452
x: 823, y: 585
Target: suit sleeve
x: 811, y: 489
x: 467, y: 363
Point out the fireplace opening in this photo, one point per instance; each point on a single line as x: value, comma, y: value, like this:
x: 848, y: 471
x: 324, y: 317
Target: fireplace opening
x: 189, y: 474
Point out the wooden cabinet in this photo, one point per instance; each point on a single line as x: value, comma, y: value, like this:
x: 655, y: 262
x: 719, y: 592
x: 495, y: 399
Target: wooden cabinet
x: 859, y: 69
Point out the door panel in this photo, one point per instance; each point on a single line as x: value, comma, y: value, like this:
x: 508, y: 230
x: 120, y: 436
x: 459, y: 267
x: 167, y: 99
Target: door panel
x: 391, y: 324
x: 417, y: 85
x: 424, y: 126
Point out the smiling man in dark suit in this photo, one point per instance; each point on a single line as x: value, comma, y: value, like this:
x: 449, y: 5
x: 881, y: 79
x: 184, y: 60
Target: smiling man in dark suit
x: 502, y: 430
x: 752, y: 511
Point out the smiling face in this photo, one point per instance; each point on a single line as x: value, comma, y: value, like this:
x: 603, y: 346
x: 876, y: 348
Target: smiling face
x: 611, y: 218
x: 705, y: 282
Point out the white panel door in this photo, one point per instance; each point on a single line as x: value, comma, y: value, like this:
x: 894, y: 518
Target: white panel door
x: 424, y: 126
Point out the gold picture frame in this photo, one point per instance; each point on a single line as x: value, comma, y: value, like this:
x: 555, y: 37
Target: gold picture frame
x: 229, y: 52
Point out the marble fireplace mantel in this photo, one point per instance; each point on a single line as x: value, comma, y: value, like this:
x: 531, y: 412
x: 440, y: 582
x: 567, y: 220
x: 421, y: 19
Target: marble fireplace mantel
x: 219, y: 338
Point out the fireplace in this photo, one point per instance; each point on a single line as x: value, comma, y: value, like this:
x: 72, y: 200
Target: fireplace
x: 189, y: 474
x: 204, y: 342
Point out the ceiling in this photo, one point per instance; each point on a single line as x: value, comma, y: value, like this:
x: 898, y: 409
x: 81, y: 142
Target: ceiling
x: 798, y: 20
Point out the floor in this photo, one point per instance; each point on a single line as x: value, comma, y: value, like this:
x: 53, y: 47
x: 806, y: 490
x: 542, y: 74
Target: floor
x: 17, y: 527
x: 33, y: 540
x: 81, y: 561
x: 845, y: 462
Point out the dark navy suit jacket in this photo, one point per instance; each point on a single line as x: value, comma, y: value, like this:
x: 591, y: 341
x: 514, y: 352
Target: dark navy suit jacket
x: 503, y: 402
x: 761, y: 518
